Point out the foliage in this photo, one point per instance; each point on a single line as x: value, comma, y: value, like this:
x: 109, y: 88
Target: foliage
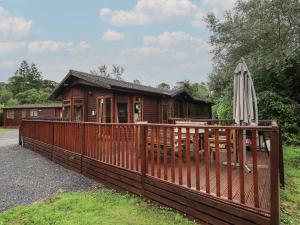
x: 222, y: 109
x: 25, y: 86
x: 164, y: 86
x: 267, y: 34
x: 116, y: 72
x: 33, y: 96
x: 100, y: 207
x: 195, y: 89
x: 275, y: 107
x: 136, y: 81
x: 290, y: 196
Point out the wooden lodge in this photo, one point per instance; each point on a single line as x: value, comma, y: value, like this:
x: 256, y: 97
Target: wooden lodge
x: 198, y: 167
x: 13, y: 115
x: 91, y: 98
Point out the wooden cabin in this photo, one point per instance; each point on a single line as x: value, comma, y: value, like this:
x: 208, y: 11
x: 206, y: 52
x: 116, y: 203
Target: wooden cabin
x: 92, y: 98
x: 13, y: 115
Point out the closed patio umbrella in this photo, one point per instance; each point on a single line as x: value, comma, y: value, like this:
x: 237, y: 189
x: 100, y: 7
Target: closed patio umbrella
x: 245, y: 110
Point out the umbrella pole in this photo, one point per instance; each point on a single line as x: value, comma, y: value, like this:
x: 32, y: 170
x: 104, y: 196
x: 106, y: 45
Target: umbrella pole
x: 245, y: 153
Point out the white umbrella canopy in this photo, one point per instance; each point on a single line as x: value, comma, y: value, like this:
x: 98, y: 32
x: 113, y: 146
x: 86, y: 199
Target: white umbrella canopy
x: 244, y: 100
x: 245, y: 110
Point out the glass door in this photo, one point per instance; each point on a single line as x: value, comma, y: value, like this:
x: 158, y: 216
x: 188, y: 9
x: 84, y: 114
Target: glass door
x: 104, y: 109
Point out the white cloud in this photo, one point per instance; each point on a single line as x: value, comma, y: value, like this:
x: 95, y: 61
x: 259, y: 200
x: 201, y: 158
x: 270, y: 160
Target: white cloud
x: 198, y: 20
x: 148, y: 11
x: 13, y: 26
x: 8, y: 47
x: 8, y: 64
x: 112, y: 36
x: 219, y: 4
x: 199, y: 63
x: 174, y: 39
x: 42, y: 46
x: 145, y: 51
x: 54, y: 46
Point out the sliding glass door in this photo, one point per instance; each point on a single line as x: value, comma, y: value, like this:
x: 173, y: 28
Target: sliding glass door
x: 104, y: 109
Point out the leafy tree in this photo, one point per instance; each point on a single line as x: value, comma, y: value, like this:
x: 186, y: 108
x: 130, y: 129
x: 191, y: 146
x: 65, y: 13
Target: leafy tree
x: 12, y: 102
x: 164, y: 86
x: 136, y: 81
x: 195, y: 89
x: 25, y: 86
x: 25, y: 78
x: 33, y: 96
x: 267, y: 34
x: 116, y: 72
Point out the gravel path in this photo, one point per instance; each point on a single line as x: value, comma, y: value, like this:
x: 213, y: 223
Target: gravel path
x: 25, y: 177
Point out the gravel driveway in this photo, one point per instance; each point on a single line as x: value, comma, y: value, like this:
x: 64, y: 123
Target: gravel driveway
x: 25, y: 177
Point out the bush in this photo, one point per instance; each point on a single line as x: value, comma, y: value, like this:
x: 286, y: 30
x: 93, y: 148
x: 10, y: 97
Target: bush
x: 281, y: 109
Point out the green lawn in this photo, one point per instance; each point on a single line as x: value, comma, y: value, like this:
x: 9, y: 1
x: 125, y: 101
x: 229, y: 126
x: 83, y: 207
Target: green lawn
x: 100, y: 207
x: 290, y: 197
x: 2, y: 130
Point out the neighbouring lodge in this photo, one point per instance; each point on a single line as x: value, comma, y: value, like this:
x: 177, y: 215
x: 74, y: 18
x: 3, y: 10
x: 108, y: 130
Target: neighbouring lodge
x: 13, y: 115
x: 92, y: 98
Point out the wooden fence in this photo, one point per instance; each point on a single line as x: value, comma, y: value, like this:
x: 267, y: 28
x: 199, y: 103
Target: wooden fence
x: 201, y: 171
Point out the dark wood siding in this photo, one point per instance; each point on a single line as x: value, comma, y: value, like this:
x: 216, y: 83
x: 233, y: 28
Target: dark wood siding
x: 151, y: 110
x: 43, y: 113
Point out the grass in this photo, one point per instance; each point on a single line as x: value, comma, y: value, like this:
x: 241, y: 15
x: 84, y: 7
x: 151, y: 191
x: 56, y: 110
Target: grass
x: 290, y: 196
x: 105, y: 207
x: 3, y: 130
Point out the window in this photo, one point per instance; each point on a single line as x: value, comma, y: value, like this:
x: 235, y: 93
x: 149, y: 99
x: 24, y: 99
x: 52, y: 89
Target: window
x: 23, y: 113
x: 33, y: 112
x: 108, y: 110
x: 78, y: 109
x: 104, y: 109
x: 165, y: 112
x: 66, y: 110
x: 10, y: 114
x: 122, y: 112
x: 137, y: 109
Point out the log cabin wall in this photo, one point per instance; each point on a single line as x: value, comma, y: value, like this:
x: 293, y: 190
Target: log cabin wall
x: 151, y: 109
x: 24, y: 113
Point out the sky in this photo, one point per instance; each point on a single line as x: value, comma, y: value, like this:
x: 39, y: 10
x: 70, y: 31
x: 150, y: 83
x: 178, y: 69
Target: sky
x: 154, y: 40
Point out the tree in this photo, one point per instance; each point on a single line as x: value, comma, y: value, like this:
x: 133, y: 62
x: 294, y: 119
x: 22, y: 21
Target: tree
x: 25, y: 78
x: 267, y: 34
x: 102, y: 71
x: 164, y: 86
x: 136, y: 81
x: 116, y: 72
x: 195, y: 89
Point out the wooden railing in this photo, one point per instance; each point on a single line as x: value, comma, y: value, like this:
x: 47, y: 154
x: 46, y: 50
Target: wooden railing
x: 208, y: 160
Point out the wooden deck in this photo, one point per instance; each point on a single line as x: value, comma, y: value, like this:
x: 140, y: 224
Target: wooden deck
x: 181, y: 173
x: 263, y: 177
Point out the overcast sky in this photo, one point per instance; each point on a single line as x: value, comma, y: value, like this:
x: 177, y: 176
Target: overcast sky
x: 154, y: 40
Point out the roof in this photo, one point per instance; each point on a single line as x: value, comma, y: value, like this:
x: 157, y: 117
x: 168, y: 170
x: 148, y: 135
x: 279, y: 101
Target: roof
x: 31, y: 106
x: 109, y: 83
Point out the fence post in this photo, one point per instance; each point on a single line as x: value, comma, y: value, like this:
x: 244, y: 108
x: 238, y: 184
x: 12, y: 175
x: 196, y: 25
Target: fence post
x: 143, y: 156
x: 274, y: 162
x: 52, y: 142
x: 20, y: 133
x: 83, y: 148
x: 281, y: 164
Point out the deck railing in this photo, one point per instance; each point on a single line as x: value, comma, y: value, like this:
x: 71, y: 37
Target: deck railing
x: 208, y: 160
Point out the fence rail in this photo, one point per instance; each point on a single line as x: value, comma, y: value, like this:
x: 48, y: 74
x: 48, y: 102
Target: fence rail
x: 159, y: 160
